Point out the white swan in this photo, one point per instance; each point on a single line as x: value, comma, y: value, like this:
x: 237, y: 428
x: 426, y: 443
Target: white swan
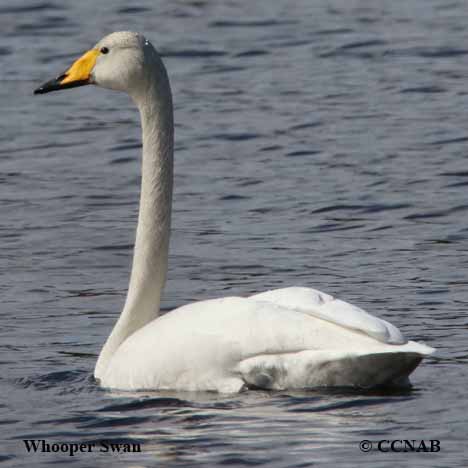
x: 281, y: 339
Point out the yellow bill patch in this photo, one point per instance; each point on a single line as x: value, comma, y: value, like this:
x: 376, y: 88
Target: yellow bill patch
x: 81, y: 69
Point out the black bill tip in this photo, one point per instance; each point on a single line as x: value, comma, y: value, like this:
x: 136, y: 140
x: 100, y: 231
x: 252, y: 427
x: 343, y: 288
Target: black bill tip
x: 56, y: 85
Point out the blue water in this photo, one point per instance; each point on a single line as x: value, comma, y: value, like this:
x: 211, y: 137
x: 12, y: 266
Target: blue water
x: 322, y: 144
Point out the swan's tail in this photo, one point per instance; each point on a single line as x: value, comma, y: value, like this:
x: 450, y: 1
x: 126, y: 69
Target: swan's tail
x: 311, y: 369
x: 373, y: 370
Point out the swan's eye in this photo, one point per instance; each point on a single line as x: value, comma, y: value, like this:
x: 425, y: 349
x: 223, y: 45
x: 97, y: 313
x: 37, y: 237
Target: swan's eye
x: 104, y: 50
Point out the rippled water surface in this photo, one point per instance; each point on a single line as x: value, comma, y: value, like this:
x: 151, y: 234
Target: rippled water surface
x: 317, y: 143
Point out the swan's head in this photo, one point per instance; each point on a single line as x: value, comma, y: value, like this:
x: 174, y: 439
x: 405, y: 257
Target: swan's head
x: 118, y: 61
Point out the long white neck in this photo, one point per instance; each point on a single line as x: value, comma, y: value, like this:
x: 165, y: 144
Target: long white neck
x: 149, y: 267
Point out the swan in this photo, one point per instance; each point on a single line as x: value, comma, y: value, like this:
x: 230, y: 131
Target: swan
x: 290, y: 338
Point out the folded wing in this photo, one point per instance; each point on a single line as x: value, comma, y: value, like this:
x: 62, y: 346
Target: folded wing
x: 326, y: 307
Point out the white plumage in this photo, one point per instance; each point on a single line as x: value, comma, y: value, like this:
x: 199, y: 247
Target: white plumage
x: 281, y: 339
x: 230, y: 343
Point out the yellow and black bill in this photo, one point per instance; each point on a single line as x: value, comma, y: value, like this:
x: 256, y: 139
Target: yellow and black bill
x: 79, y: 74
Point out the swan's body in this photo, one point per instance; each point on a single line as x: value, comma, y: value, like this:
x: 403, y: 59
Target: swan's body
x: 231, y: 343
x: 287, y: 338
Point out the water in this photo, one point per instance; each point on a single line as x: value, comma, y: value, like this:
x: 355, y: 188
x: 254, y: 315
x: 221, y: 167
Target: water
x: 317, y: 143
